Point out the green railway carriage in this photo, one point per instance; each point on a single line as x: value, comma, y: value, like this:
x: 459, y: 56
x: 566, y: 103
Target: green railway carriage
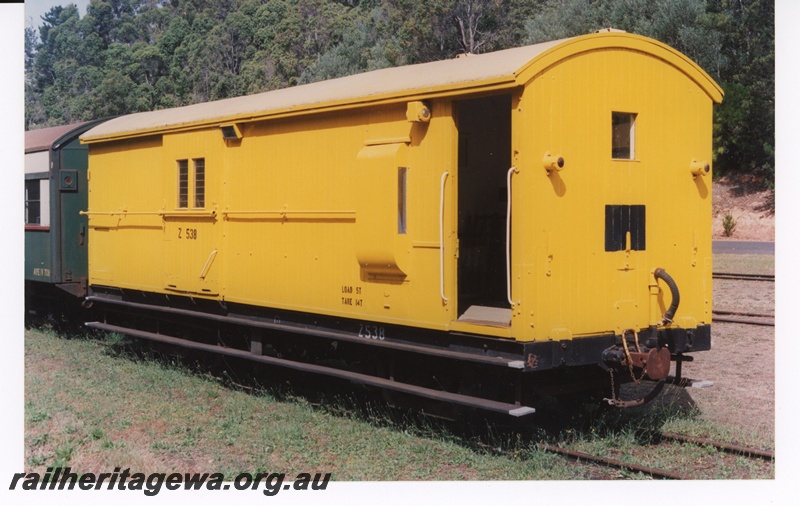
x: 483, y: 230
x: 56, y: 191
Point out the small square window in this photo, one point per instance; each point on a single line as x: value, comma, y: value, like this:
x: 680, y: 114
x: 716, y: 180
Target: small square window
x: 623, y: 128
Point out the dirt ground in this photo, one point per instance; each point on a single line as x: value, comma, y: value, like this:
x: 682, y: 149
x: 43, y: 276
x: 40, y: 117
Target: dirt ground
x: 749, y: 204
x: 741, y: 362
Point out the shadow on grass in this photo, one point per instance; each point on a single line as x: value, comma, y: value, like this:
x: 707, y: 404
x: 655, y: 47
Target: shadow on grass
x: 559, y: 422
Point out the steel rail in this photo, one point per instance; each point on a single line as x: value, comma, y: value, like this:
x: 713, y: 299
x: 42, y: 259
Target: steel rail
x: 745, y: 321
x: 725, y: 447
x: 660, y: 473
x: 766, y: 320
x: 741, y: 276
x: 741, y: 313
x: 617, y: 464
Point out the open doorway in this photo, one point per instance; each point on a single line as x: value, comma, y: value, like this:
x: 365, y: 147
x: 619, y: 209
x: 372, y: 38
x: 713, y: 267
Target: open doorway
x: 484, y: 157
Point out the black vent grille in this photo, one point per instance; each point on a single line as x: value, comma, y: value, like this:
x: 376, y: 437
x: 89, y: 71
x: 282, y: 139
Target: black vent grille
x: 623, y: 219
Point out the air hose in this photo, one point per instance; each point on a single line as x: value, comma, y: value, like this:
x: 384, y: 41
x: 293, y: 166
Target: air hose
x: 660, y: 273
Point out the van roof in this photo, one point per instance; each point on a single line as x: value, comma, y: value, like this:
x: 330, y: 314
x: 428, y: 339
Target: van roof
x: 459, y: 76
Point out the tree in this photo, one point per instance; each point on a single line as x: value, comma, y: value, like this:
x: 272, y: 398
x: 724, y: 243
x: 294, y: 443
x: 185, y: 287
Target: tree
x: 745, y: 123
x: 132, y: 55
x: 34, y: 114
x: 481, y: 22
x: 733, y: 40
x: 361, y: 49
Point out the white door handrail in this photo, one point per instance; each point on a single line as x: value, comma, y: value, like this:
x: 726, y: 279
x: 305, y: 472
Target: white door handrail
x: 511, y: 171
x: 441, y: 237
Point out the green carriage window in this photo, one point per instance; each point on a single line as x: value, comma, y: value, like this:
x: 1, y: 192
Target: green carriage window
x: 33, y: 202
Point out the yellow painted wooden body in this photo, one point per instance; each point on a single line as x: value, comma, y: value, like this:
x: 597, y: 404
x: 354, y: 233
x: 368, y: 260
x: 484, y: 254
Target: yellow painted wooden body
x: 349, y: 206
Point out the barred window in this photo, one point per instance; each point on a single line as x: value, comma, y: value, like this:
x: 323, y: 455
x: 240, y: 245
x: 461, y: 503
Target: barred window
x: 192, y: 185
x: 183, y: 184
x: 199, y: 182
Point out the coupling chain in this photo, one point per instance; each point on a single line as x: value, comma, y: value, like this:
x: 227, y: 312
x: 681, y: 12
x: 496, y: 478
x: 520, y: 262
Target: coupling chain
x: 614, y: 400
x: 613, y: 390
x: 628, y: 355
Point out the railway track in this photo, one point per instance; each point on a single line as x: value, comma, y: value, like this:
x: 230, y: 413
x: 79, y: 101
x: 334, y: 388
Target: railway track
x: 745, y: 318
x: 580, y: 457
x: 661, y: 474
x: 743, y: 277
x: 768, y: 455
x: 728, y: 316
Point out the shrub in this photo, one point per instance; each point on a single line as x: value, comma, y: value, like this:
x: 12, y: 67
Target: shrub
x: 728, y: 224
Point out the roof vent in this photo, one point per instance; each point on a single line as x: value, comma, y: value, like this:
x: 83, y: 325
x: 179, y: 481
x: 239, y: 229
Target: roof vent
x: 231, y: 132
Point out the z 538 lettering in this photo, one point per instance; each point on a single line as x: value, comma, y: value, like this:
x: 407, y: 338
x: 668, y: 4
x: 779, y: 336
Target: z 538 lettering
x: 191, y: 233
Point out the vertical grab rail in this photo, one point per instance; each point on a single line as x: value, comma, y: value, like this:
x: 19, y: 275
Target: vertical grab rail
x: 441, y: 237
x: 511, y: 171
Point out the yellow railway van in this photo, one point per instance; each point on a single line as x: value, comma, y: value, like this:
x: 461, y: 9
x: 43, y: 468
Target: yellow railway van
x: 483, y: 230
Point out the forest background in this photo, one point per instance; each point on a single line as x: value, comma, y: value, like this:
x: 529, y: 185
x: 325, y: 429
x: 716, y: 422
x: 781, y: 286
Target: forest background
x: 126, y: 56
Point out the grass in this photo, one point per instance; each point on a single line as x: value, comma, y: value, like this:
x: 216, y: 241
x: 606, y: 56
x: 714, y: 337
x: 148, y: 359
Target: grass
x: 744, y: 264
x: 93, y: 408
x: 93, y: 405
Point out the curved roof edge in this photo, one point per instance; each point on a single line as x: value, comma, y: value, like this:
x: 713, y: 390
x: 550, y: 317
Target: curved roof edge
x: 620, y: 39
x: 481, y: 72
x: 43, y: 139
